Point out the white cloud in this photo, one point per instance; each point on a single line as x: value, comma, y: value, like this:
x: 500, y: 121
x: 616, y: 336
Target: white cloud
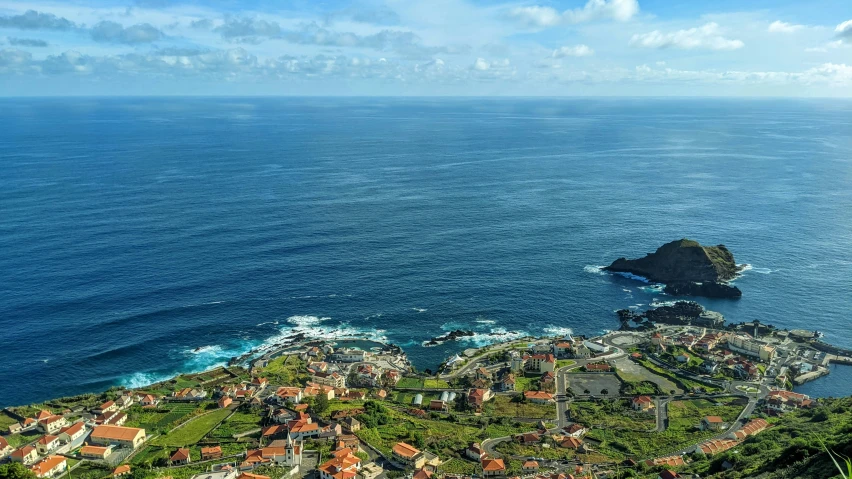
x: 844, y: 30
x: 783, y: 27
x: 481, y: 64
x: 112, y: 32
x: 542, y: 17
x: 707, y: 36
x: 575, y: 51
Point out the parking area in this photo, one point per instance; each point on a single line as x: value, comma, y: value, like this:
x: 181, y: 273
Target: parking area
x: 594, y: 384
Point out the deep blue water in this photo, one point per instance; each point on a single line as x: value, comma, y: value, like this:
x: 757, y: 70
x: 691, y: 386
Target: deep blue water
x: 133, y: 231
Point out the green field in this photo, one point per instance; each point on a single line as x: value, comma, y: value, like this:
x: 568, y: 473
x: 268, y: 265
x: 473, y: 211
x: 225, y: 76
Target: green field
x: 435, y: 384
x: 526, y: 383
x: 286, y: 370
x: 444, y: 438
x: 459, y: 466
x: 240, y: 422
x: 193, y: 431
x: 6, y: 421
x: 612, y: 414
x: 412, y: 383
x: 563, y: 363
x: 504, y: 406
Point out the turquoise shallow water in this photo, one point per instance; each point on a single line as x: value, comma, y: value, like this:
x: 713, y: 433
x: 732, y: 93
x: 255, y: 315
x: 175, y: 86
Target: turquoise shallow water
x: 142, y: 237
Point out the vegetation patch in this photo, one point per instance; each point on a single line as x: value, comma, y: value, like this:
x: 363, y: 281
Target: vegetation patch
x: 193, y: 431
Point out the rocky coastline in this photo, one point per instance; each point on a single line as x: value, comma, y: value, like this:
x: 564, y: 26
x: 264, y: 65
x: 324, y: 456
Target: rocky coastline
x: 451, y: 336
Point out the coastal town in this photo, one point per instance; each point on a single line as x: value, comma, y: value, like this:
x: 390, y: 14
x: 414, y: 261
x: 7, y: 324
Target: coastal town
x: 650, y: 402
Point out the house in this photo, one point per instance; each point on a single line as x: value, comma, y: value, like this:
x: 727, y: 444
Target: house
x: 571, y: 443
x: 108, y: 406
x: 180, y: 457
x: 259, y: 384
x: 47, y: 444
x: 224, y: 402
x: 50, y: 466
x: 475, y: 452
x: 482, y: 373
x: 95, y: 452
x: 343, y: 465
x: 575, y: 430
x: 121, y: 470
x: 643, y: 403
x: 423, y: 474
x: 528, y: 438
x: 391, y: 377
x: 713, y: 423
x: 493, y: 468
x: 348, y: 440
x: 72, y: 432
x: 274, y: 430
x: 367, y: 375
x: 669, y: 474
x: 351, y: 424
x: 538, y: 397
x: 124, y: 401
x: 547, y: 379
x: 112, y: 417
x: 117, y: 436
x: 348, y: 356
x: 745, y: 344
x: 438, y: 405
x: 541, y: 363
x: 406, y: 454
x: 25, y: 455
x: 16, y: 428
x: 529, y: 467
x: 582, y: 352
x: 477, y: 397
x: 191, y: 394
x: 213, y: 452
x: 5, y: 448
x: 562, y: 349
x: 301, y: 429
x: 755, y: 426
x: 289, y: 394
x: 598, y: 368
x: 52, y: 424
x: 505, y: 383
x: 149, y: 400
x: 318, y: 367
x: 715, y: 446
x: 43, y: 414
x: 246, y: 475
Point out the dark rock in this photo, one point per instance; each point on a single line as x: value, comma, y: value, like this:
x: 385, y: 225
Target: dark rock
x: 686, y: 268
x: 710, y: 289
x: 680, y: 313
x: 451, y: 336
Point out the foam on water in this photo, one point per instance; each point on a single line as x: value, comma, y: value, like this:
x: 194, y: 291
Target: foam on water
x: 420, y: 310
x: 634, y: 276
x: 558, y: 331
x: 594, y: 269
x: 303, y: 321
x: 140, y: 380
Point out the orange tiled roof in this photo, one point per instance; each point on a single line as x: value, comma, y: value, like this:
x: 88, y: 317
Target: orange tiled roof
x: 116, y: 433
x: 493, y: 465
x: 405, y: 450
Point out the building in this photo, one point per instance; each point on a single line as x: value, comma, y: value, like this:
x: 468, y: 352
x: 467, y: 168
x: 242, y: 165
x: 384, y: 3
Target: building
x: 149, y: 400
x: 72, y: 432
x: 751, y: 347
x: 682, y: 358
x: 530, y: 467
x: 668, y: 461
x: 343, y: 465
x: 477, y: 397
x: 753, y: 427
x: 5, y: 448
x: 190, y: 394
x: 50, y: 466
x: 538, y: 397
x: 52, y: 424
x: 301, y: 429
x: 715, y: 446
x: 571, y: 443
x: 575, y: 430
x: 114, y: 418
x: 334, y: 379
x: 438, y: 405
x: 289, y: 394
x: 643, y: 403
x: 562, y: 349
x: 669, y: 474
x: 780, y: 401
x: 25, y: 455
x: 582, y: 352
x: 596, y: 347
x: 351, y: 424
x: 214, y: 452
x: 118, y: 436
x: 95, y: 452
x: 713, y: 423
x: 224, y: 402
x: 47, y: 444
x: 475, y: 452
x: 108, y: 406
x: 283, y: 453
x: 407, y: 454
x: 180, y: 457
x: 121, y: 470
x: 541, y: 363
x: 598, y: 368
x: 493, y: 468
x: 348, y: 356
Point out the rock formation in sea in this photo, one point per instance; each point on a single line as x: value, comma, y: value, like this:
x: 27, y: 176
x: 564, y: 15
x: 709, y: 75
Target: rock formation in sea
x: 679, y: 313
x: 451, y: 336
x: 686, y: 268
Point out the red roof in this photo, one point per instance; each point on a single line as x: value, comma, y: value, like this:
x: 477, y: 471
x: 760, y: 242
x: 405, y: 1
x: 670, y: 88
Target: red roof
x: 181, y: 454
x: 493, y: 465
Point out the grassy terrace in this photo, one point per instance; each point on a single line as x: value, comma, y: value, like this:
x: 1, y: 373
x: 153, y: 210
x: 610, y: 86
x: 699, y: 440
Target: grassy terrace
x: 286, y: 370
x: 612, y: 414
x: 240, y: 422
x: 420, y: 383
x: 504, y: 406
x: 193, y: 431
x: 686, y: 383
x: 684, y: 417
x: 164, y: 417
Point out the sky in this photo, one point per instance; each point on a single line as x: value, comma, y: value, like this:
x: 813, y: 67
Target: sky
x: 780, y: 48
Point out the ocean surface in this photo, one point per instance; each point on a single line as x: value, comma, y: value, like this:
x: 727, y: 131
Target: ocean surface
x: 144, y: 237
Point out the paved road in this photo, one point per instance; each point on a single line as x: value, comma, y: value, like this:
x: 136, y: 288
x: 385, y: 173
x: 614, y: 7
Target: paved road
x: 662, y: 409
x: 472, y: 362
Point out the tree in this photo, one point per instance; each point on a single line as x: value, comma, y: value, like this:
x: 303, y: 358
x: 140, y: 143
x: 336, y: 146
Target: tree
x: 15, y: 470
x: 321, y: 404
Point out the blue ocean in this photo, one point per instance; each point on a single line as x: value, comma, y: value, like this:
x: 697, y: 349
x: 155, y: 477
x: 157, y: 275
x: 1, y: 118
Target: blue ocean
x: 144, y: 237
